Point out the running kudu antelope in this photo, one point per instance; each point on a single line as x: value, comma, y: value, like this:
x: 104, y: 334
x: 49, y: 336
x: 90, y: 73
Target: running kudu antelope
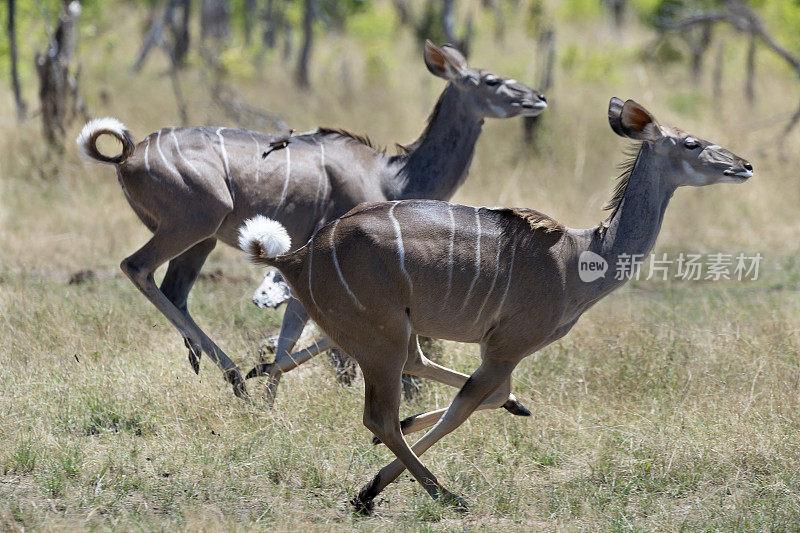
x: 507, y: 279
x: 194, y: 186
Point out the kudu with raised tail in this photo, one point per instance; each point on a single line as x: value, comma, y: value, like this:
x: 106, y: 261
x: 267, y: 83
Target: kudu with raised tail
x: 194, y: 186
x: 507, y: 279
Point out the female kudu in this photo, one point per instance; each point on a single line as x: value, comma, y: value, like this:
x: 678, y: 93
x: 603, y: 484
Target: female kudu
x: 386, y: 270
x: 194, y: 186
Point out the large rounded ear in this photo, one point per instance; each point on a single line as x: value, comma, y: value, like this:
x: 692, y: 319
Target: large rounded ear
x: 633, y: 121
x: 443, y: 63
x: 455, y: 56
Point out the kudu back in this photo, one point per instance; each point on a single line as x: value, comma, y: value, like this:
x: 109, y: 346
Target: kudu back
x: 193, y: 187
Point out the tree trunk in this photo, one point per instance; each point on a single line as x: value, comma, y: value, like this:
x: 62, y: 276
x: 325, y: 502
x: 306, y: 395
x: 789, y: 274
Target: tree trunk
x: 12, y: 46
x: 250, y: 14
x: 58, y: 88
x: 308, y: 37
x: 181, y: 38
x: 719, y: 61
x: 699, y: 48
x: 268, y: 38
x: 547, y: 49
x: 749, y: 88
x: 215, y: 18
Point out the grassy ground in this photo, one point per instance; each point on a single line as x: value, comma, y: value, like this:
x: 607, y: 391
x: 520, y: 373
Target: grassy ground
x: 670, y: 405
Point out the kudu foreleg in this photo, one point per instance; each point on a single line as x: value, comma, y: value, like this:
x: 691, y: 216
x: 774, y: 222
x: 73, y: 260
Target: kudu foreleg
x: 140, y: 266
x: 181, y: 275
x: 483, y: 382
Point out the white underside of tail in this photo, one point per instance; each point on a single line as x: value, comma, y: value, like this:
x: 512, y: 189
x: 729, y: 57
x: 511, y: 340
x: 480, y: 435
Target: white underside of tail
x: 269, y: 234
x: 105, y: 123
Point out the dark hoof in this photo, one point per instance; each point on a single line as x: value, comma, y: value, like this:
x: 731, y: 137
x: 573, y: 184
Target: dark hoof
x: 234, y: 377
x: 363, y: 507
x: 456, y: 502
x: 516, y: 408
x: 259, y: 370
x: 194, y: 355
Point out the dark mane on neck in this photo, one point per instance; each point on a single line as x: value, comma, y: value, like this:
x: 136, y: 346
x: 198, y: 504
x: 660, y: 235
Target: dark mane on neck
x: 626, y: 169
x: 408, y: 148
x: 345, y: 134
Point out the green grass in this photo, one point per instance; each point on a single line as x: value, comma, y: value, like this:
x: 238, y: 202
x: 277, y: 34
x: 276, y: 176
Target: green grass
x: 670, y: 406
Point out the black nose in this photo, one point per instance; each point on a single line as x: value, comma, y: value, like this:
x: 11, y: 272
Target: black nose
x: 748, y: 166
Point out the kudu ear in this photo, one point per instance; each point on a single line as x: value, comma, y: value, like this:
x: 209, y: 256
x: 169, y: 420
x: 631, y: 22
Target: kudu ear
x: 455, y: 56
x: 631, y: 120
x: 443, y: 62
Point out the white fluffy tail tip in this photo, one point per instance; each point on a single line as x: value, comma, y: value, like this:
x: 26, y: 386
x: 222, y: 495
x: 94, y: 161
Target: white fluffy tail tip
x: 106, y: 124
x: 262, y: 237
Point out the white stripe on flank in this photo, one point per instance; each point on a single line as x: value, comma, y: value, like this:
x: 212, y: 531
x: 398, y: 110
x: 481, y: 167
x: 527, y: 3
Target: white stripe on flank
x: 494, y: 280
x: 161, y: 153
x: 450, y: 253
x: 310, y: 259
x: 285, y: 182
x: 477, y: 260
x: 180, y: 154
x: 508, y: 280
x: 339, y: 270
x: 401, y: 249
x: 323, y: 173
x: 225, y: 160
x: 147, y: 159
x: 258, y: 153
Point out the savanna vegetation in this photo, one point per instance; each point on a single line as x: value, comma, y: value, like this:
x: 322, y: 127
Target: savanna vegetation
x: 673, y: 404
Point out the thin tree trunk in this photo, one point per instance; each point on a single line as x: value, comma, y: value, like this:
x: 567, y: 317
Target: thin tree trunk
x: 58, y: 89
x: 12, y: 45
x: 749, y: 88
x: 547, y: 48
x: 268, y: 38
x: 181, y: 35
x: 719, y: 62
x: 250, y: 14
x: 215, y: 18
x: 308, y: 38
x: 699, y: 49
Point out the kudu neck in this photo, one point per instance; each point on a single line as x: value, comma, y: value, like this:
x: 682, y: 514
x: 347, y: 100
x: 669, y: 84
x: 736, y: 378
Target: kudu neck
x: 633, y: 227
x: 440, y: 158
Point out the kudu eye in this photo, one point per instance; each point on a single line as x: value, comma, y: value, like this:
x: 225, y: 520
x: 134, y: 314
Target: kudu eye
x: 491, y: 81
x: 691, y: 143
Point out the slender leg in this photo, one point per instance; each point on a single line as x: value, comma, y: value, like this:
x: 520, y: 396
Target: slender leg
x: 181, y: 274
x: 488, y: 377
x: 382, y: 382
x: 498, y: 398
x: 140, y: 266
x: 419, y: 365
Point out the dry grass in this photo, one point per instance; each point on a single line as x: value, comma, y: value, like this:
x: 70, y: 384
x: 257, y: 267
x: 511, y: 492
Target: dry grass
x: 670, y: 405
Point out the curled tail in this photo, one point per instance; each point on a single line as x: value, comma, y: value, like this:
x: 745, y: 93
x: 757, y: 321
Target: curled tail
x: 87, y: 140
x: 263, y: 239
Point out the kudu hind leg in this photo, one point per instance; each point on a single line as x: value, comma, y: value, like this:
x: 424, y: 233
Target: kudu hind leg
x: 182, y: 272
x: 139, y: 267
x: 480, y: 386
x: 382, y: 383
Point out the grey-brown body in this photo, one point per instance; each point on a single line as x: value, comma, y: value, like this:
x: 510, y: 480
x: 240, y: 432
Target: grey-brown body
x: 194, y: 186
x: 507, y: 279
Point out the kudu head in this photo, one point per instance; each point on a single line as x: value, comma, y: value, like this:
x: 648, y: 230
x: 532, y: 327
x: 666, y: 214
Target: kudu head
x: 487, y: 94
x: 688, y: 159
